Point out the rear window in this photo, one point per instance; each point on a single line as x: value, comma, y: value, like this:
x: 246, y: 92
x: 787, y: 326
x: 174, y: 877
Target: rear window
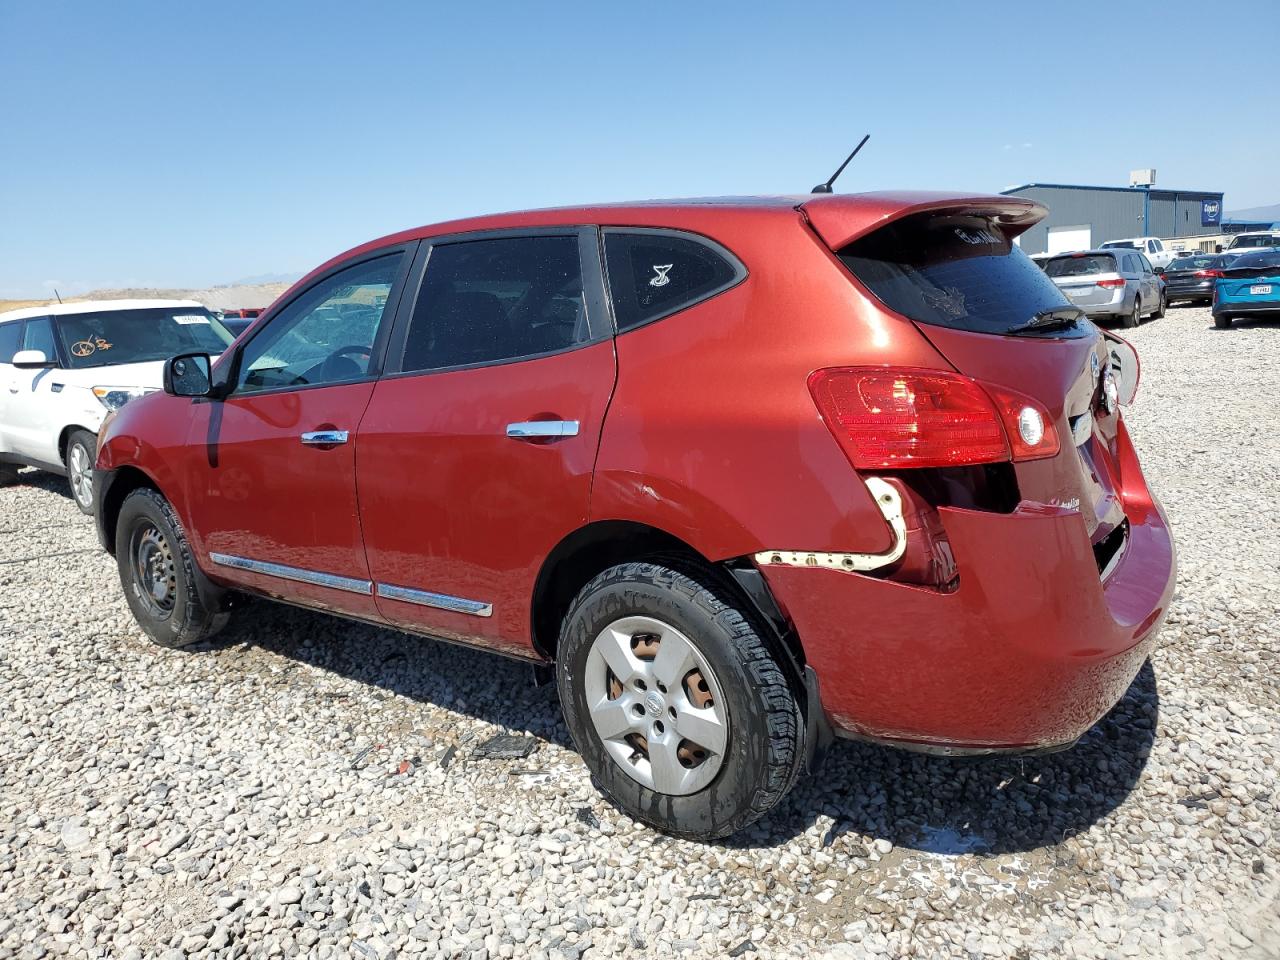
x: 1125, y: 244
x: 1081, y: 265
x: 961, y: 272
x: 1194, y: 263
x: 1255, y: 261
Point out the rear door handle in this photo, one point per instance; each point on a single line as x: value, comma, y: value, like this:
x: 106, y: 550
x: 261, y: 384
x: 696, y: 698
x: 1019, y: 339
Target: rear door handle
x: 324, y: 438
x: 541, y: 429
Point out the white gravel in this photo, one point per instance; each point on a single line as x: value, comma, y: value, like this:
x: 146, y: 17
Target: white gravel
x: 306, y: 787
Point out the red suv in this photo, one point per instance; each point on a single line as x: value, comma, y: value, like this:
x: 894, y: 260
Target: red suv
x: 744, y: 471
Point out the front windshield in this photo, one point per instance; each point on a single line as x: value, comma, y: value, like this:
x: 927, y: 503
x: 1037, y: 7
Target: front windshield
x: 1243, y: 243
x: 113, y: 337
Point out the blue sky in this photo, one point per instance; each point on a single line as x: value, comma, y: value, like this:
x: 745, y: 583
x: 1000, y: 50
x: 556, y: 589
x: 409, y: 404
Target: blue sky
x: 192, y: 144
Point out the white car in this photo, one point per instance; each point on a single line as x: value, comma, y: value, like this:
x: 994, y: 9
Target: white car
x: 64, y: 367
x: 1152, y: 247
x: 1254, y: 240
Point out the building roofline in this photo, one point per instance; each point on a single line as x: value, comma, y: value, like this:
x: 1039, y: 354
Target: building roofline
x: 1079, y: 186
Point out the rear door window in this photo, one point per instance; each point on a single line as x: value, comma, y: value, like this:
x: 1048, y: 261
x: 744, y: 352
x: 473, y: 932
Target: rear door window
x: 962, y: 272
x: 10, y: 337
x: 653, y: 274
x: 495, y: 300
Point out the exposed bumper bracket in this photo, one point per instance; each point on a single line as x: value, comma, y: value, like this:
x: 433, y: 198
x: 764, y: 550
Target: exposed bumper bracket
x: 889, y: 502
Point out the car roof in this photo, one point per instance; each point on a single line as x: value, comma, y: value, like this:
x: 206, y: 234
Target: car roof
x: 94, y: 306
x: 838, y: 218
x: 1108, y: 252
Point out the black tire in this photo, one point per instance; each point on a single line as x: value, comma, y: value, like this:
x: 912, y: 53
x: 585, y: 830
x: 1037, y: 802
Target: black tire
x: 8, y: 474
x: 1133, y: 318
x: 182, y: 616
x: 1164, y: 304
x: 764, y: 748
x: 1222, y: 322
x: 82, y: 451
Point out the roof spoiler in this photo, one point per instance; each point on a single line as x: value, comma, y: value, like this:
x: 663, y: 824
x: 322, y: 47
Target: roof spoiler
x: 841, y: 219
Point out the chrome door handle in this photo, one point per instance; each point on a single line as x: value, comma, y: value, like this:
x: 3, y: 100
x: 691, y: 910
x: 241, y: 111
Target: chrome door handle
x: 534, y: 429
x: 324, y: 438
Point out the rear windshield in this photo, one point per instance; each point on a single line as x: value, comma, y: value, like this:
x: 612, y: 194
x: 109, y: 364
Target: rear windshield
x: 1081, y: 265
x: 953, y: 271
x: 137, y: 336
x: 1254, y: 261
x: 1195, y: 263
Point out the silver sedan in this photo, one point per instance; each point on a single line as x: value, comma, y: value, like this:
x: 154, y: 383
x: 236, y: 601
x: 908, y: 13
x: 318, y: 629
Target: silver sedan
x: 1115, y: 283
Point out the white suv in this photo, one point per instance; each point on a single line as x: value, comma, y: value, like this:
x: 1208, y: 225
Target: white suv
x: 64, y: 367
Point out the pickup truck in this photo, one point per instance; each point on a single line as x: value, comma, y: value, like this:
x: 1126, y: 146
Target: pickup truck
x: 1159, y: 255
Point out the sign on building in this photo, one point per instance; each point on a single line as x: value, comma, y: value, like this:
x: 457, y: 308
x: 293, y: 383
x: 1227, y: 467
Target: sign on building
x: 1210, y: 213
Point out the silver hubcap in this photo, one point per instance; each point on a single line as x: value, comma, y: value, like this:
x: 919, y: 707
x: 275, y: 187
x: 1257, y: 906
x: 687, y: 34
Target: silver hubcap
x: 155, y: 580
x: 656, y: 705
x: 81, y: 474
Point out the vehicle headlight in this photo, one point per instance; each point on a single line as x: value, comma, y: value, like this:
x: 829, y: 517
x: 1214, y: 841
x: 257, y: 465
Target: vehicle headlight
x: 113, y: 398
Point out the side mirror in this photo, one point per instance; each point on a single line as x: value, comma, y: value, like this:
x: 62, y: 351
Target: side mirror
x: 32, y: 360
x: 1126, y: 369
x: 187, y: 375
x: 1159, y: 271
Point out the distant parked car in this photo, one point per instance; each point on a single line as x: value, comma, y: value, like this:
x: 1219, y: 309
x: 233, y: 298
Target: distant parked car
x: 1254, y: 240
x: 237, y: 321
x: 1115, y: 283
x: 1190, y: 278
x: 64, y: 367
x: 1153, y: 248
x: 1040, y: 259
x: 1250, y: 284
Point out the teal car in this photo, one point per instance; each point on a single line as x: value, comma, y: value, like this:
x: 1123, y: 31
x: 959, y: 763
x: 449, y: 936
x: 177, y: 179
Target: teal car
x: 1249, y: 285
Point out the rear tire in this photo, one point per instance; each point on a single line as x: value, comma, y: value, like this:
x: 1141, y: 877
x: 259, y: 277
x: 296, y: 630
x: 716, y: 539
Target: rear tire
x: 1222, y: 323
x: 82, y: 451
x: 159, y: 574
x: 1133, y: 318
x: 704, y: 734
x: 8, y: 474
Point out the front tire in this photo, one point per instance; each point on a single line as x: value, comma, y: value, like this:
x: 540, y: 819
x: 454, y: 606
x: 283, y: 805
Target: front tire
x: 159, y: 574
x: 685, y: 718
x: 82, y: 451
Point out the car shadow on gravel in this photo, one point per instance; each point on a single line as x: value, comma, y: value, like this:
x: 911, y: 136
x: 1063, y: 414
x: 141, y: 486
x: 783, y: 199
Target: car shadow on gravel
x: 42, y: 480
x: 987, y: 805
x: 941, y: 805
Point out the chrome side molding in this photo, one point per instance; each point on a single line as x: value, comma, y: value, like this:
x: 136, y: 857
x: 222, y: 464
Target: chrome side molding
x: 320, y: 579
x: 542, y: 428
x: 441, y: 601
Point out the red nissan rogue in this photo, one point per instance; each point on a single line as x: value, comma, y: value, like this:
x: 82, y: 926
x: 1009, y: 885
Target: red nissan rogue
x: 742, y: 471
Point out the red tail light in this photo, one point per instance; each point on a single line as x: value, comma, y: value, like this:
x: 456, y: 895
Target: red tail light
x: 1110, y: 283
x: 890, y: 418
x: 1208, y: 273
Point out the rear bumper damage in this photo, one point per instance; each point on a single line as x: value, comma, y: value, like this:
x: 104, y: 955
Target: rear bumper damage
x: 1030, y: 650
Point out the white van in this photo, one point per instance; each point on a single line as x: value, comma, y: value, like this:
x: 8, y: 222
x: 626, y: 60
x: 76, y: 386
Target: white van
x: 63, y: 367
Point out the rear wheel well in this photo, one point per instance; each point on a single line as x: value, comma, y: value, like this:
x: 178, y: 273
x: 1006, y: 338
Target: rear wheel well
x: 592, y: 549
x: 127, y: 480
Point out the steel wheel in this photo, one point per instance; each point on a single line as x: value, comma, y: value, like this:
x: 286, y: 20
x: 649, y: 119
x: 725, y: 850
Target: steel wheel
x: 80, y: 472
x: 656, y: 705
x: 155, y: 581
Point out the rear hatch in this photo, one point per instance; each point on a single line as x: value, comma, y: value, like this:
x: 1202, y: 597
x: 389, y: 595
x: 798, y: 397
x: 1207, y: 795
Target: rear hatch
x: 1087, y: 279
x: 1254, y: 275
x: 997, y: 317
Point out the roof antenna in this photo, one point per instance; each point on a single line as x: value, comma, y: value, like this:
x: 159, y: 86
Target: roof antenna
x: 826, y: 187
x: 57, y: 294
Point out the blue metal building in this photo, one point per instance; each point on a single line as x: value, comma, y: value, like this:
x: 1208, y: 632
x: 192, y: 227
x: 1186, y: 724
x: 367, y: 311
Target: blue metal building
x: 1081, y: 217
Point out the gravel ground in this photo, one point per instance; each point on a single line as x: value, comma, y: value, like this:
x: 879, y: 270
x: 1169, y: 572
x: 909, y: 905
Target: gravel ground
x: 310, y: 787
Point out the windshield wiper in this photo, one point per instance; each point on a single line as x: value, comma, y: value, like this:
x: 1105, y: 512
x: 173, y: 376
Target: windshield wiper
x: 1055, y: 318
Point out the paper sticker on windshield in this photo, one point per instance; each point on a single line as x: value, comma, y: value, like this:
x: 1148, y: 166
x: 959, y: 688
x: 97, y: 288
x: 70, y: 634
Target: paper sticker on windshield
x: 186, y: 319
x: 87, y: 348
